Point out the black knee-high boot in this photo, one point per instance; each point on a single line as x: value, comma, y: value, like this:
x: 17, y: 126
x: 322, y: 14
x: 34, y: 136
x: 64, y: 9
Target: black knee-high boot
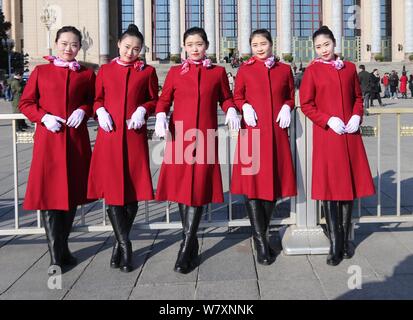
x: 53, y: 224
x: 334, y: 230
x: 256, y: 214
x: 68, y: 218
x: 118, y: 218
x: 347, y: 210
x: 269, y: 208
x: 186, y: 261
x: 183, y: 210
x: 131, y: 211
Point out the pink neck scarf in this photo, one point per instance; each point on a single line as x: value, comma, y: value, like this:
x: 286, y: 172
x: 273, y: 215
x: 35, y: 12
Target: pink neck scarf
x: 269, y: 62
x: 185, y: 64
x: 337, y: 64
x: 72, y: 65
x: 137, y: 65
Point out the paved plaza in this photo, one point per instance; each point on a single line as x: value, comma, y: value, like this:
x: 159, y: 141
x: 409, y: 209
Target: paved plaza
x: 228, y: 269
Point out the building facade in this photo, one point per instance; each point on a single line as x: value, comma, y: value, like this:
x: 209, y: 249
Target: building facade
x: 365, y: 29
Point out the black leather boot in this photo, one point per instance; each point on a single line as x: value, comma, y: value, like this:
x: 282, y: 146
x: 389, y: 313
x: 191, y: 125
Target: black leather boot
x: 186, y: 261
x: 334, y: 231
x: 269, y: 208
x: 183, y: 210
x: 347, y: 210
x: 53, y: 224
x: 256, y: 214
x: 115, y: 257
x: 68, y: 218
x: 118, y: 218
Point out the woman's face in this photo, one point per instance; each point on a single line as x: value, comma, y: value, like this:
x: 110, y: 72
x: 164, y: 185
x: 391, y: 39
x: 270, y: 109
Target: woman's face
x: 195, y: 47
x: 261, y: 47
x: 324, y: 47
x: 67, y: 46
x: 129, y: 48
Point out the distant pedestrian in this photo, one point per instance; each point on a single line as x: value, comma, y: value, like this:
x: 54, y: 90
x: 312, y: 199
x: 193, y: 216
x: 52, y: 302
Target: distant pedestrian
x: 411, y: 84
x: 403, y: 85
x: 386, y: 83
x: 364, y: 78
x: 375, y: 88
x: 394, y: 84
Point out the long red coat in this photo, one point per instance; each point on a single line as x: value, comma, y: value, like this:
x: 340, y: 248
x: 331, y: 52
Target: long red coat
x: 340, y: 167
x: 120, y: 171
x: 195, y: 96
x: 267, y: 90
x: 403, y: 84
x: 60, y: 164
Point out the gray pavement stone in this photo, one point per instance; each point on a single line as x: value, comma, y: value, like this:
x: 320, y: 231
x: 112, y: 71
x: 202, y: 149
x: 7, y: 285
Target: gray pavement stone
x: 385, y: 254
x: 159, y: 267
x: 227, y: 290
x: 164, y: 291
x: 226, y: 260
x: 285, y: 289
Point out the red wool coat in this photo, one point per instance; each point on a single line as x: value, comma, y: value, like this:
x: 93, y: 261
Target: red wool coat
x: 403, y: 84
x: 120, y: 171
x: 340, y: 167
x: 195, y: 96
x: 267, y: 90
x: 60, y: 163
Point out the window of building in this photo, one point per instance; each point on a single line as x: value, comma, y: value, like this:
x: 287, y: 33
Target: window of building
x: 194, y: 12
x: 264, y: 15
x: 385, y: 18
x: 160, y: 23
x: 306, y: 17
x: 228, y: 18
x: 351, y: 16
x: 126, y: 14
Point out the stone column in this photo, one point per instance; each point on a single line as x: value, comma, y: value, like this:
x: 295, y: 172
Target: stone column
x: 244, y: 27
x: 337, y: 23
x: 104, y: 31
x: 286, y: 38
x: 174, y: 28
x: 408, y: 27
x: 375, y: 27
x: 209, y: 19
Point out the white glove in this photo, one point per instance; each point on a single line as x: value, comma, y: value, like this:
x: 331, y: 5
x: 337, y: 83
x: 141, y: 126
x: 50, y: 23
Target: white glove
x: 161, y: 124
x: 337, y: 125
x: 52, y: 123
x: 76, y: 118
x: 138, y: 119
x: 353, y: 125
x: 232, y: 119
x: 284, y: 117
x: 250, y: 117
x: 105, y: 121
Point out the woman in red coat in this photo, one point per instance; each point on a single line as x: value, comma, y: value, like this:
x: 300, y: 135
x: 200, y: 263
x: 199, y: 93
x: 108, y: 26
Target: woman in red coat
x: 264, y: 91
x: 403, y: 85
x: 331, y: 97
x: 190, y: 173
x: 59, y: 98
x: 126, y: 93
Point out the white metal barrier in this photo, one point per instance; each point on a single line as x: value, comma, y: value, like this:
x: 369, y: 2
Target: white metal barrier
x: 301, y: 234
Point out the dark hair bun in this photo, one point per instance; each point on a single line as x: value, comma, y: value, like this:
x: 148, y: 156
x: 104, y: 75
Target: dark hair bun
x: 133, y: 28
x: 324, y: 28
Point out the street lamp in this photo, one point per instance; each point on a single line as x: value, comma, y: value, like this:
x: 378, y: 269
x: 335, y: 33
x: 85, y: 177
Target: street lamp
x: 48, y: 18
x: 8, y: 44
